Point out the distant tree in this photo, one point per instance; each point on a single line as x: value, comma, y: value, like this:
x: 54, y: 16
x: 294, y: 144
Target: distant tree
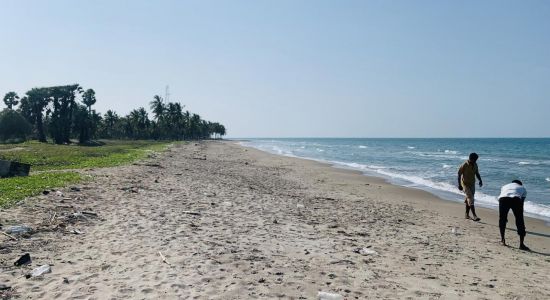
x: 159, y: 126
x: 13, y: 126
x: 36, y: 101
x: 10, y: 99
x: 88, y: 98
x: 64, y: 105
x: 109, y: 124
x: 158, y: 107
x: 82, y: 125
x: 96, y: 121
x: 174, y: 117
x: 139, y: 123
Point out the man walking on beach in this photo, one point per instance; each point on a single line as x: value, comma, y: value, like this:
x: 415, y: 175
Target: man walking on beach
x: 467, y: 174
x: 512, y: 196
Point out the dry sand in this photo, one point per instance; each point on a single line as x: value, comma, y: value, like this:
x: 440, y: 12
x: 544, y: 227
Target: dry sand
x: 237, y: 223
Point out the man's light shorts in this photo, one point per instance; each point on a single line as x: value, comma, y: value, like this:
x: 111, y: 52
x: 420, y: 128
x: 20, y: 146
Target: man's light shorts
x: 469, y: 191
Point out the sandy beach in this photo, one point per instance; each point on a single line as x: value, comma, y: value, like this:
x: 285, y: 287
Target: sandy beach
x: 215, y: 220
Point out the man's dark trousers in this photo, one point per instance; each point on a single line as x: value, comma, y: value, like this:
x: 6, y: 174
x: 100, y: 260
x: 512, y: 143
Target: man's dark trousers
x: 504, y: 206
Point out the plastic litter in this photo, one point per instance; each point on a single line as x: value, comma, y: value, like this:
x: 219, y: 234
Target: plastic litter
x: 41, y: 271
x: 18, y: 229
x: 367, y: 251
x: 329, y: 296
x: 23, y: 260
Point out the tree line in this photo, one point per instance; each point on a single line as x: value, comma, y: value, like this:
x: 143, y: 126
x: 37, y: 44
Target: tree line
x: 65, y: 112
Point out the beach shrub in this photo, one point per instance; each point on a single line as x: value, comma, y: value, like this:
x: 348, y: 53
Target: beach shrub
x: 13, y: 126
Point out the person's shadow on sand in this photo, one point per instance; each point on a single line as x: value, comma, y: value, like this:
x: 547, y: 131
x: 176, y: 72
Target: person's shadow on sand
x: 528, y: 232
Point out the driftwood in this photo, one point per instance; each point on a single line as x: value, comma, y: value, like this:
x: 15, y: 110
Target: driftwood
x: 9, y: 235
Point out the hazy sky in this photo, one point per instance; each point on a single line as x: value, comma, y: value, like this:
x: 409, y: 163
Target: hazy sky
x: 297, y: 68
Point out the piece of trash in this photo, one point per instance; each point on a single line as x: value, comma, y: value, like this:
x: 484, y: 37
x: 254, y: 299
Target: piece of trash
x: 90, y: 213
x: 227, y: 203
x: 329, y: 296
x: 76, y: 231
x: 163, y: 258
x: 191, y: 213
x: 454, y: 230
x: 18, y: 229
x: 300, y: 205
x: 365, y: 251
x: 41, y: 271
x: 25, y: 259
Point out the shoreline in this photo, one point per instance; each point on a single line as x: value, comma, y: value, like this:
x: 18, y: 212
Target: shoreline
x: 427, y: 200
x: 434, y: 192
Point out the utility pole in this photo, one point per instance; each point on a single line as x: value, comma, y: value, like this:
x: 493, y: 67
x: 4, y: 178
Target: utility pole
x: 167, y: 95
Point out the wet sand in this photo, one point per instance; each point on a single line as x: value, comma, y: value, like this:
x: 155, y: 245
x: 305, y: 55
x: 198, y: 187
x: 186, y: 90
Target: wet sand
x: 236, y: 223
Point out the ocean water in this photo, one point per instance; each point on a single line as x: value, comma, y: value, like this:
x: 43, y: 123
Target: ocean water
x: 432, y: 164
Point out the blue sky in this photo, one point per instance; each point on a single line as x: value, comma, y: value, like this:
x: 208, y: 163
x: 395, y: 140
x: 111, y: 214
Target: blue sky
x: 297, y: 68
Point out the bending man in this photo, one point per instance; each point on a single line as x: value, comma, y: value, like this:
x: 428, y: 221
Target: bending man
x: 512, y: 197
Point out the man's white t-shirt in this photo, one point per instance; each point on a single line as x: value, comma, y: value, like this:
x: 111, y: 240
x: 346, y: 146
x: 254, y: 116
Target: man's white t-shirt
x: 512, y: 190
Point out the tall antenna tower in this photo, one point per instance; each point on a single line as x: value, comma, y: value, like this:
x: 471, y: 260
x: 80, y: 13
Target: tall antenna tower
x: 167, y: 95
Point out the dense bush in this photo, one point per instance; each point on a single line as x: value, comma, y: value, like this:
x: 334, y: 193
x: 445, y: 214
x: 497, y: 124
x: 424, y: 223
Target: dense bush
x: 13, y: 126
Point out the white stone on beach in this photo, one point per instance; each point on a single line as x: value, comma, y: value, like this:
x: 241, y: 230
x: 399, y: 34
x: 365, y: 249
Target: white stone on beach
x: 329, y: 296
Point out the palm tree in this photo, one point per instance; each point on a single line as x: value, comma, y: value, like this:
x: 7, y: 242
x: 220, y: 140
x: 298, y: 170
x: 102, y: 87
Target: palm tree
x: 158, y: 107
x: 88, y: 98
x: 11, y: 99
x: 38, y: 99
x: 174, y: 117
x: 64, y: 105
x: 139, y: 121
x: 110, y: 119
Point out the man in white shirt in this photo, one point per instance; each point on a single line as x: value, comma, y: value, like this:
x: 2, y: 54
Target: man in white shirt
x: 512, y: 196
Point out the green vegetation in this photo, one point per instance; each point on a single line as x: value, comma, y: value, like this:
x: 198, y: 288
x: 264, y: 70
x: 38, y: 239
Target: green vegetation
x: 16, y: 188
x: 50, y: 157
x: 44, y: 157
